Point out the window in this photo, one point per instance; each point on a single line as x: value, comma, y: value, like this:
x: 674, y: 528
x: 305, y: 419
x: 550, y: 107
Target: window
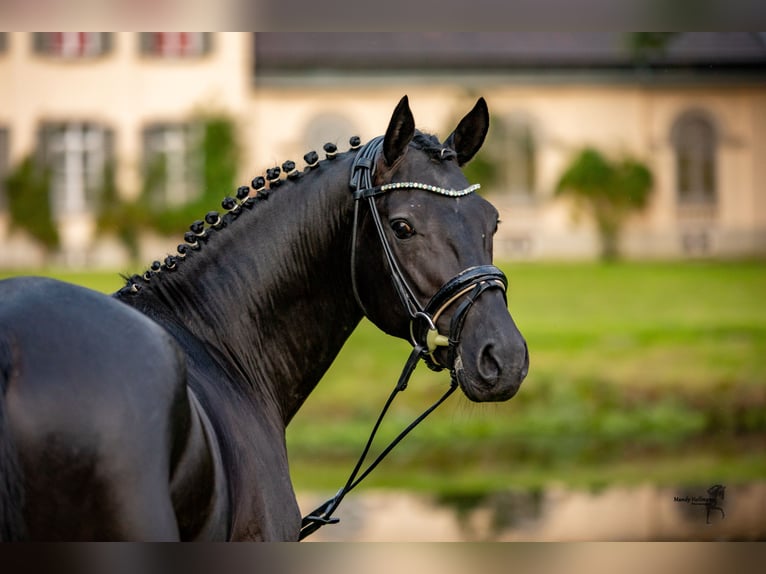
x: 511, y: 158
x: 4, y: 153
x: 175, y: 44
x: 171, y: 165
x: 79, y: 157
x: 519, y: 158
x: 694, y: 140
x: 72, y: 44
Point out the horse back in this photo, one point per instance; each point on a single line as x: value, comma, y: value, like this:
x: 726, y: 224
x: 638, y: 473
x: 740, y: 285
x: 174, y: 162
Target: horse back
x: 96, y: 413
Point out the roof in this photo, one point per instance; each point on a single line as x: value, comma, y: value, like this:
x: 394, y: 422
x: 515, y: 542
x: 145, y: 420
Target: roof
x: 705, y: 52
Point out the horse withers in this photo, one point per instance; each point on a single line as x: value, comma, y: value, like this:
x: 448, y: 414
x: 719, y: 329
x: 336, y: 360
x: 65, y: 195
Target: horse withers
x: 159, y: 412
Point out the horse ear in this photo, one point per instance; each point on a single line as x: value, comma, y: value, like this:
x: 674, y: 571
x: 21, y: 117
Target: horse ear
x: 470, y: 133
x: 400, y: 131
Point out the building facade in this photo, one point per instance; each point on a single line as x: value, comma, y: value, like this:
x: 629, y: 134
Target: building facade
x: 691, y: 106
x: 84, y: 102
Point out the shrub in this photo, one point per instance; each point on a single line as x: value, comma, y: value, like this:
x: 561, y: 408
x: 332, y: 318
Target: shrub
x: 29, y: 202
x: 608, y: 191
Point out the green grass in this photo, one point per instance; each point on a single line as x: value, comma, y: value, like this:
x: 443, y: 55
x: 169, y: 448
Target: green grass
x: 639, y: 372
x: 690, y: 324
x: 104, y: 281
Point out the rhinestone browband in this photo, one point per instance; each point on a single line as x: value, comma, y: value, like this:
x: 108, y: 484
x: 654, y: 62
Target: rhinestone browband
x: 414, y: 185
x: 433, y: 188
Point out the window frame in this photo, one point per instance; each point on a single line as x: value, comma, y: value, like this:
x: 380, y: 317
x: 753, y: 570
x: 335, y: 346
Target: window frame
x: 514, y: 139
x: 160, y: 142
x: 78, y: 155
x: 150, y: 46
x: 520, y: 143
x: 695, y: 142
x: 72, y: 45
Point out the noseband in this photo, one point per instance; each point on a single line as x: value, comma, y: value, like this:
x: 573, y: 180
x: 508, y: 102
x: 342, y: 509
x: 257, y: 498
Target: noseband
x: 468, y: 285
x: 471, y: 282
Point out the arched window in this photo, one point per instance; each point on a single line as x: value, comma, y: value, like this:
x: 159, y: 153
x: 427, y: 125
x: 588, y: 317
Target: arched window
x: 520, y: 146
x: 514, y: 152
x: 694, y: 140
x: 507, y: 162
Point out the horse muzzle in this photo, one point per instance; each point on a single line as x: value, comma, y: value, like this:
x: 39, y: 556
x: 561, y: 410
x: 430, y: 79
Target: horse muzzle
x: 484, y: 350
x: 493, y: 369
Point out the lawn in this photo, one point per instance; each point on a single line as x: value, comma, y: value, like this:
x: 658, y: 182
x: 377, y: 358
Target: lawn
x: 639, y: 372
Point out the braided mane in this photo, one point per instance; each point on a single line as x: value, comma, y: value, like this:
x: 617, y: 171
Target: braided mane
x: 247, y: 197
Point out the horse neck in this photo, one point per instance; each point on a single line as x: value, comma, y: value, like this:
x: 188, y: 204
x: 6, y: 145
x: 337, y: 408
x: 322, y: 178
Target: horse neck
x: 269, y: 296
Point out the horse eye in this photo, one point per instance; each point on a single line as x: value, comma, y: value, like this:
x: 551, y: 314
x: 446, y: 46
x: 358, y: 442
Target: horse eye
x: 402, y: 228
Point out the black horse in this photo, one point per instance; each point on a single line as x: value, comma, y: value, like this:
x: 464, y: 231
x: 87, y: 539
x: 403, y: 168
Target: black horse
x: 159, y: 413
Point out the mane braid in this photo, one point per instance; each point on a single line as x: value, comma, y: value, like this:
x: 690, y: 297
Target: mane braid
x: 199, y: 233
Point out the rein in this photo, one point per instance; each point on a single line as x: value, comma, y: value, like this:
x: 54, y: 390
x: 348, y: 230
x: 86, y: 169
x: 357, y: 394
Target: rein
x: 424, y: 334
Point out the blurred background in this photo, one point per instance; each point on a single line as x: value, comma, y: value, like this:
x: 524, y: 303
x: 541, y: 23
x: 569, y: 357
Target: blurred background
x: 629, y: 171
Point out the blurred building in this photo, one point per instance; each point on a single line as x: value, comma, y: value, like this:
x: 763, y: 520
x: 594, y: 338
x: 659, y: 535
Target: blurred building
x: 691, y: 105
x: 82, y: 101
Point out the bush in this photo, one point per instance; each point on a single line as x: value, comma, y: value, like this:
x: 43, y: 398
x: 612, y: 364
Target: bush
x: 29, y: 202
x: 608, y: 191
x: 217, y: 150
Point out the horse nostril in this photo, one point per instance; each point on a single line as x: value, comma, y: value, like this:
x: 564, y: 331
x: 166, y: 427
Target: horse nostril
x: 488, y: 366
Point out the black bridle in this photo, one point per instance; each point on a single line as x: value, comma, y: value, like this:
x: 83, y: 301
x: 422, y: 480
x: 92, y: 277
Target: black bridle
x: 423, y: 318
x: 466, y: 287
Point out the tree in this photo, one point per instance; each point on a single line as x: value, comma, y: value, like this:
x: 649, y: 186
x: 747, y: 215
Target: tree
x: 608, y: 191
x: 218, y: 151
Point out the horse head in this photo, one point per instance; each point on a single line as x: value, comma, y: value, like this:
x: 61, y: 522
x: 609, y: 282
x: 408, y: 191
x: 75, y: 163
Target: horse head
x: 419, y: 223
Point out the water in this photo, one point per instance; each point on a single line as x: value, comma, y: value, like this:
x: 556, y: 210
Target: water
x: 641, y: 513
